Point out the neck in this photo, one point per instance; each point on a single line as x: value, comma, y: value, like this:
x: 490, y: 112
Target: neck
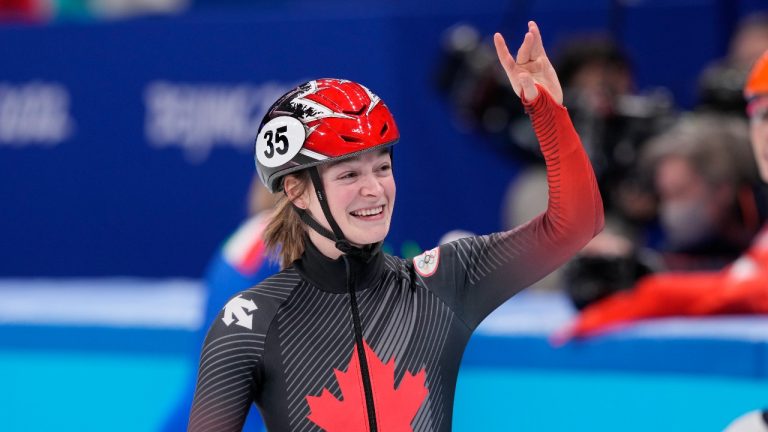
x: 336, y: 275
x: 324, y: 245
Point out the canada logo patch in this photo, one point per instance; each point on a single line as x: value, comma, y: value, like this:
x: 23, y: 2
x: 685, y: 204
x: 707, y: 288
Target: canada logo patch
x: 426, y: 263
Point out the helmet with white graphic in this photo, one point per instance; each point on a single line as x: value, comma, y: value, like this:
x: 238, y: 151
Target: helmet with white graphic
x: 318, y: 122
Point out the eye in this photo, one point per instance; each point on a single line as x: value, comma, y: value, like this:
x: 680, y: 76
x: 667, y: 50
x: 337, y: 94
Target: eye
x: 347, y: 175
x: 385, y: 167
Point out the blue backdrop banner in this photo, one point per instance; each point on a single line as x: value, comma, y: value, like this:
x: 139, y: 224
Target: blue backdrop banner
x: 125, y: 148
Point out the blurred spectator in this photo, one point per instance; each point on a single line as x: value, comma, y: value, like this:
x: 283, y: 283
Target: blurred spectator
x: 720, y: 84
x: 702, y: 166
x: 610, y: 263
x: 709, y: 206
x: 705, y: 178
x: 613, y: 120
x: 749, y: 41
x: 240, y: 264
x: 611, y: 117
x: 740, y: 288
x: 595, y: 67
x: 596, y: 75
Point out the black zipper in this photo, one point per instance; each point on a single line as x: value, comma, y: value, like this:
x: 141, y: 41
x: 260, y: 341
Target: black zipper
x: 367, y: 388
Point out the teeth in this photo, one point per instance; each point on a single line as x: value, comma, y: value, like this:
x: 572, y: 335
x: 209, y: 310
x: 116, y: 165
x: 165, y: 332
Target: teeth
x: 369, y: 212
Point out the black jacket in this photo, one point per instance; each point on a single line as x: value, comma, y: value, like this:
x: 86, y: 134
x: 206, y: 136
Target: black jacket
x: 347, y: 345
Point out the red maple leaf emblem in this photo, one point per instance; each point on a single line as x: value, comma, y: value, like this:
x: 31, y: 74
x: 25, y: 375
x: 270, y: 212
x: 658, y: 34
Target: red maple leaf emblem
x: 395, y: 408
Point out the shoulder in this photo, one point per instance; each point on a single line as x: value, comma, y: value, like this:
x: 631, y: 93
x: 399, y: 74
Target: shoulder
x: 428, y: 262
x: 278, y: 286
x: 451, y: 260
x: 252, y: 310
x: 431, y: 265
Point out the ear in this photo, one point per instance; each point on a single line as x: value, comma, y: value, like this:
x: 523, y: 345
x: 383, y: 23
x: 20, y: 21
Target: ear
x: 291, y: 185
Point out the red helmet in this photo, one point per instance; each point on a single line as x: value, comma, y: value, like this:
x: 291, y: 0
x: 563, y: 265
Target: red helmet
x: 757, y: 83
x: 319, y: 122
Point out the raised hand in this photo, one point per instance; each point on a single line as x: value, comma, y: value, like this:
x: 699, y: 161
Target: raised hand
x: 531, y: 66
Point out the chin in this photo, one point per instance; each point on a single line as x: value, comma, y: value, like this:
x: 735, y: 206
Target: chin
x: 370, y: 237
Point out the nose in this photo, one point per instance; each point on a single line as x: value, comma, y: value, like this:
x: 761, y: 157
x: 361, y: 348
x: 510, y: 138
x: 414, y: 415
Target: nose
x: 371, y: 185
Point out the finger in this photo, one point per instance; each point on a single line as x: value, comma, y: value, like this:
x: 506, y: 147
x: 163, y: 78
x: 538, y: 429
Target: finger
x: 524, y: 53
x: 506, y: 59
x: 538, y: 45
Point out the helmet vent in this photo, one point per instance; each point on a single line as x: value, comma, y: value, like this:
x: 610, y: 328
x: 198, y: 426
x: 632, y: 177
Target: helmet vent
x: 357, y: 113
x: 351, y: 139
x: 384, y: 129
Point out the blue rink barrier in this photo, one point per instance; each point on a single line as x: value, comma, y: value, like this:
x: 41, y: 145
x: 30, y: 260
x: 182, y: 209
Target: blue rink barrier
x: 676, y: 374
x: 516, y: 336
x: 124, y: 370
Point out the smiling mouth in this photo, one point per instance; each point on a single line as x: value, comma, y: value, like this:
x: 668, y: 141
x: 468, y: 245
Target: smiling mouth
x: 368, y: 213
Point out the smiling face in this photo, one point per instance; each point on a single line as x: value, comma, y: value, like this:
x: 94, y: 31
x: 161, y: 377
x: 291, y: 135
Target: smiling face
x: 361, y: 196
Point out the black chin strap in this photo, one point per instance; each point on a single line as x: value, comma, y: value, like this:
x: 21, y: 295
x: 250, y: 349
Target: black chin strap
x: 337, y: 236
x: 312, y: 223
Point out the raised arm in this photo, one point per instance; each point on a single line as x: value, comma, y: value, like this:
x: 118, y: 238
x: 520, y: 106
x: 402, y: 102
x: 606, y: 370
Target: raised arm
x: 483, y: 272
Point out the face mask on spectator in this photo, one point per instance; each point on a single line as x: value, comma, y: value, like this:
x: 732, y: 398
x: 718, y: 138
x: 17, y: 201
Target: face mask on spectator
x: 686, y: 223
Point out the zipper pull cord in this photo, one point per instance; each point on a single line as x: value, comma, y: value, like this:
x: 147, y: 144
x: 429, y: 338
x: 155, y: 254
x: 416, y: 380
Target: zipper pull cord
x: 367, y: 387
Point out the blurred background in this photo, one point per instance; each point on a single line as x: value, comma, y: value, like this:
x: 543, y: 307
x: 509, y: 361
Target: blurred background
x: 126, y: 133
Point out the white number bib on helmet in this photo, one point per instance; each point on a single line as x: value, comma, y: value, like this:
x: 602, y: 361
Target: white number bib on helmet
x: 279, y: 141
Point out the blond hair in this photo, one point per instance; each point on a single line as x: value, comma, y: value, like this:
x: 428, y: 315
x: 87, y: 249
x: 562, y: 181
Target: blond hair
x: 284, y: 235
